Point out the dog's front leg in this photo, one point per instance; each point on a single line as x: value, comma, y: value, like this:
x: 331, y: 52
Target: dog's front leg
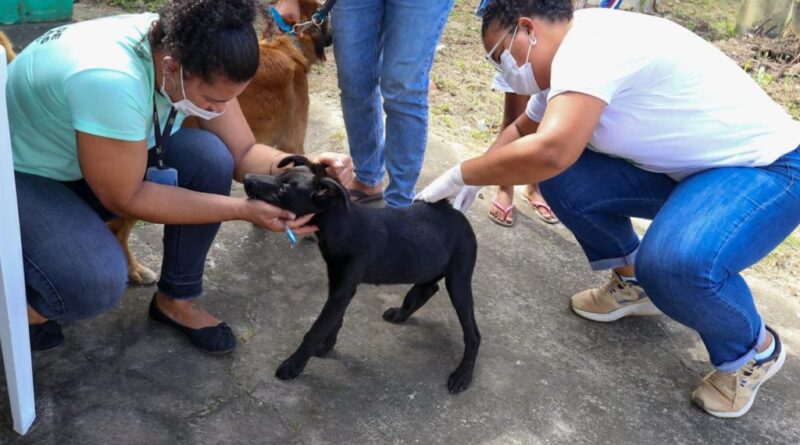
x: 329, y: 320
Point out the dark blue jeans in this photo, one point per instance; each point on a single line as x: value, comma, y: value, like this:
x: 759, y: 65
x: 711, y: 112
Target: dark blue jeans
x: 705, y: 231
x: 74, y: 266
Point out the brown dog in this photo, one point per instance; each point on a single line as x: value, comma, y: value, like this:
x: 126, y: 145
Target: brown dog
x: 5, y: 42
x: 275, y: 103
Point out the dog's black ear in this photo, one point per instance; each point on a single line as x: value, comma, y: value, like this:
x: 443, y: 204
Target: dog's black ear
x: 320, y: 170
x: 297, y: 160
x: 330, y: 188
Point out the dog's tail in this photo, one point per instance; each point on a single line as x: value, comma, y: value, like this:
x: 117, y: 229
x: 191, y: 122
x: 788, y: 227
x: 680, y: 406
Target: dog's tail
x: 5, y: 42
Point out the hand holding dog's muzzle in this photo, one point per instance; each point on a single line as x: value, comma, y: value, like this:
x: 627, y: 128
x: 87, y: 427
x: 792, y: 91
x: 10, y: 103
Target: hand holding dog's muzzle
x: 276, y: 219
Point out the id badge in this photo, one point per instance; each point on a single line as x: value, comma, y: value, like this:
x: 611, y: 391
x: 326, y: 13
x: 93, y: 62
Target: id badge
x: 166, y: 176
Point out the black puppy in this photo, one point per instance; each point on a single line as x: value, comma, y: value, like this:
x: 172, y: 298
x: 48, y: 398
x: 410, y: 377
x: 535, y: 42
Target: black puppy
x: 418, y: 245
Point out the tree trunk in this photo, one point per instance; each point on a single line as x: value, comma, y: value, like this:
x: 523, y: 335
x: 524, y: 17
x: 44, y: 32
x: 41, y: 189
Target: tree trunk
x: 765, y: 17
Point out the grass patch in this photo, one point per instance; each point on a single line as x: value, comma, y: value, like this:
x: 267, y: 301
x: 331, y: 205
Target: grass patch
x: 782, y: 265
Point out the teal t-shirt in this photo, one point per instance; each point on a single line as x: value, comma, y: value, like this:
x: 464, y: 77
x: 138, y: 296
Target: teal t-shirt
x: 95, y: 77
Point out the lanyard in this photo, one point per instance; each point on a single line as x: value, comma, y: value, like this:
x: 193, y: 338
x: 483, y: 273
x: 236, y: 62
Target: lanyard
x: 162, y: 138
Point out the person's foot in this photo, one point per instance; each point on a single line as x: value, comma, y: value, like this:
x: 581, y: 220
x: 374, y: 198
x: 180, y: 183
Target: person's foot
x: 45, y: 336
x: 616, y: 299
x: 362, y: 193
x: 501, y: 210
x: 538, y: 204
x: 185, y: 312
x: 724, y: 394
x: 203, y: 329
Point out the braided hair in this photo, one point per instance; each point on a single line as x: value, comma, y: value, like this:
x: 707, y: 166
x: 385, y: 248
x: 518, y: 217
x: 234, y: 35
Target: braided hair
x: 210, y: 37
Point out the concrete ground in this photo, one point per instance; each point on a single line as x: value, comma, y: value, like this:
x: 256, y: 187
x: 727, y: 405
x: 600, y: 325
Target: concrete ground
x: 544, y: 375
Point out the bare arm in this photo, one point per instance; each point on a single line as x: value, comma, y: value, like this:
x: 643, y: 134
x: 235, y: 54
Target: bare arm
x: 250, y: 157
x: 514, y: 106
x: 114, y: 170
x: 526, y: 153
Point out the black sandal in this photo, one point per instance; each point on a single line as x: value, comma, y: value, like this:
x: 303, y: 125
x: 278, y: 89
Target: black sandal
x: 46, y: 336
x: 215, y: 340
x: 363, y: 197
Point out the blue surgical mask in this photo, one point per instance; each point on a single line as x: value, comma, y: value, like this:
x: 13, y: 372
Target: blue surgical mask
x: 185, y: 106
x: 519, y: 78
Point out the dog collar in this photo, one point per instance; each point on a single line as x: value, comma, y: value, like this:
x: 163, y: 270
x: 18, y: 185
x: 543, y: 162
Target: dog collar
x: 280, y: 22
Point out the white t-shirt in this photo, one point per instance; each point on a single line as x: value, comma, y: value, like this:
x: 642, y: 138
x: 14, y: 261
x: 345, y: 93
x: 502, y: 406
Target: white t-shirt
x: 676, y: 104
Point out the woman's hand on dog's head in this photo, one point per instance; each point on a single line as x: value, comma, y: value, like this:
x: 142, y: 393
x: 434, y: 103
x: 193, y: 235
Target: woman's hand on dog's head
x: 340, y: 166
x: 276, y: 219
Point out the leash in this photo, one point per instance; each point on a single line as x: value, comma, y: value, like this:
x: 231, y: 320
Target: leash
x: 317, y: 19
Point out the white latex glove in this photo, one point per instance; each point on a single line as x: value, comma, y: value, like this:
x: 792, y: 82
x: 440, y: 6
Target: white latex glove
x: 448, y: 185
x: 466, y: 197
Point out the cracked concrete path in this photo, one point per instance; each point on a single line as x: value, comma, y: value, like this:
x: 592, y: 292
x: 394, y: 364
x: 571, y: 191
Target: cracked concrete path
x: 543, y: 374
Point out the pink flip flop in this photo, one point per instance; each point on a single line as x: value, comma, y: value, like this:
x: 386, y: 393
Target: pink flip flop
x: 542, y: 210
x: 506, y: 212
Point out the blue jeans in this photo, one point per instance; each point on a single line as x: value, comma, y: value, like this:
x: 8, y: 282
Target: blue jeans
x: 384, y: 49
x: 706, y: 229
x: 74, y: 266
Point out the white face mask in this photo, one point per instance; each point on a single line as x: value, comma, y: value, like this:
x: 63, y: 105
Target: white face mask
x: 519, y: 78
x: 185, y: 106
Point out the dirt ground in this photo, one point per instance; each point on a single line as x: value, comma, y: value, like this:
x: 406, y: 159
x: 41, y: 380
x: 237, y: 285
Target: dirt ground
x: 466, y: 110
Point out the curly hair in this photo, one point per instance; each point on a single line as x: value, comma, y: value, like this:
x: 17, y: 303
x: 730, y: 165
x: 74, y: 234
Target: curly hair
x: 505, y: 13
x: 210, y: 37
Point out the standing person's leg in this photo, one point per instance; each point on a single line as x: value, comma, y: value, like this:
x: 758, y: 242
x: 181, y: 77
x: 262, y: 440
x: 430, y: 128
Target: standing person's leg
x: 412, y: 29
x: 357, y: 45
x: 501, y: 210
x: 74, y: 266
x: 714, y: 225
x: 538, y: 204
x: 204, y: 164
x: 595, y: 199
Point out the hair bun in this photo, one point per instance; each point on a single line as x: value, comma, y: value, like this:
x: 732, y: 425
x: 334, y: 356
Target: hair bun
x: 210, y: 37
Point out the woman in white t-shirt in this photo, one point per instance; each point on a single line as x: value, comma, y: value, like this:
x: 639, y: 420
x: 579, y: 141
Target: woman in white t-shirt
x: 661, y: 126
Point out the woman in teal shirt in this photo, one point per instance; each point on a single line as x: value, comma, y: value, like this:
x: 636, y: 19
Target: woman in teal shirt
x: 84, y: 100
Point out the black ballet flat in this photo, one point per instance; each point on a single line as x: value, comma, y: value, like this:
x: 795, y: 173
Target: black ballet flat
x: 46, y: 336
x: 215, y: 340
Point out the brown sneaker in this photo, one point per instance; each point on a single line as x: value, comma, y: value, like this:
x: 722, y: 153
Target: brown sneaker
x: 616, y: 299
x: 732, y: 394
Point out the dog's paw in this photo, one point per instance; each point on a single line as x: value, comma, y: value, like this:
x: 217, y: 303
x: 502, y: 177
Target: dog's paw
x: 395, y: 315
x: 459, y: 380
x: 141, y: 275
x: 288, y: 370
